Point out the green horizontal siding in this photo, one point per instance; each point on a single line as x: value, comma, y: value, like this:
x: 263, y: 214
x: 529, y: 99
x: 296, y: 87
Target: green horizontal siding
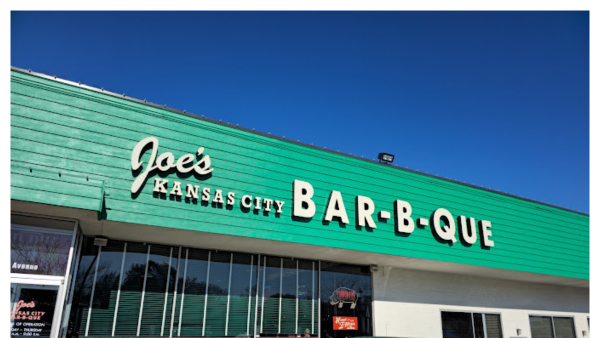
x: 55, y: 187
x: 59, y: 127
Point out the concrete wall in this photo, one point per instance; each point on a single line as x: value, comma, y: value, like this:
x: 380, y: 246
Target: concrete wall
x: 408, y: 303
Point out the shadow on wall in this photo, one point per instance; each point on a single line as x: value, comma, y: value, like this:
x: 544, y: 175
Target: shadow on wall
x: 411, y: 286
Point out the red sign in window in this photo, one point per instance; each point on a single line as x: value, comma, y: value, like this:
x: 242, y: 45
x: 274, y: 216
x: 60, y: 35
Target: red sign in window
x: 345, y: 323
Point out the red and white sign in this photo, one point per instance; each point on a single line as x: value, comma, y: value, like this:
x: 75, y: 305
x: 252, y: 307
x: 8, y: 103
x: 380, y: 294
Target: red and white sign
x: 345, y: 323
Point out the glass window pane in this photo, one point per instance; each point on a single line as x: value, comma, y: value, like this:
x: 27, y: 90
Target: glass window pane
x: 288, y: 297
x: 541, y: 327
x: 345, y: 292
x: 39, y: 253
x: 83, y: 288
x: 175, y: 309
x: 307, y: 298
x: 195, y: 289
x: 564, y: 327
x: 216, y: 310
x: 493, y: 326
x: 130, y: 298
x: 162, y: 265
x: 105, y: 292
x: 243, y: 292
x: 457, y: 325
x: 270, y: 295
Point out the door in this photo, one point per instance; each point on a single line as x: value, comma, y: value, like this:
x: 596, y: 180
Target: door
x: 33, y: 308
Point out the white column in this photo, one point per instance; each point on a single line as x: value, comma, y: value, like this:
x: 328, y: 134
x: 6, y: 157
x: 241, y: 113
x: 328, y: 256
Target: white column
x: 162, y: 326
x: 119, y: 290
x: 312, y: 310
x: 228, y: 293
x: 280, y: 291
x: 175, y: 294
x: 262, y: 312
x: 87, y: 325
x: 256, y: 298
x: 187, y: 252
x: 249, y: 294
x: 206, y: 294
x: 143, y: 292
x: 319, y: 302
x: 296, y: 330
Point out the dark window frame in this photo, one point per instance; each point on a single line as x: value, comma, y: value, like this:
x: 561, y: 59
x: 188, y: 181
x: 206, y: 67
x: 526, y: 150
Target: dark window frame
x: 472, y: 313
x: 552, y: 321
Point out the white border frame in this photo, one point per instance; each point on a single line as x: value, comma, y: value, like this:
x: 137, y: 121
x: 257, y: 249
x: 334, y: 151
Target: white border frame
x: 62, y: 281
x: 472, y: 319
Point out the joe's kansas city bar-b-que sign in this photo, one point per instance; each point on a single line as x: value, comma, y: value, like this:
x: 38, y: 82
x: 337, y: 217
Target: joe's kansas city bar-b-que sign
x: 443, y: 224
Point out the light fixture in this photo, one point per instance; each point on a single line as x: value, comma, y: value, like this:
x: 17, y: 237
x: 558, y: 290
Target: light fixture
x: 385, y: 157
x: 518, y: 332
x: 100, y: 241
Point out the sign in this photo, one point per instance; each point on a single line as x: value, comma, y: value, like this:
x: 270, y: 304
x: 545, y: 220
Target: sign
x: 32, y: 313
x: 443, y: 224
x: 165, y: 162
x: 343, y: 296
x: 345, y: 323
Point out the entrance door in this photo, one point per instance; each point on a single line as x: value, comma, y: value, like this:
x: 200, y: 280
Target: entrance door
x: 41, y: 251
x: 33, y: 308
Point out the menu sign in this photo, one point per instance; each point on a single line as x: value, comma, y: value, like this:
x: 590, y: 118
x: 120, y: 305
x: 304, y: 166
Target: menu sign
x: 32, y: 313
x: 345, y: 323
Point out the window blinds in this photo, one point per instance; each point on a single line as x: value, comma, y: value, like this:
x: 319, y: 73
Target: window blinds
x: 151, y: 290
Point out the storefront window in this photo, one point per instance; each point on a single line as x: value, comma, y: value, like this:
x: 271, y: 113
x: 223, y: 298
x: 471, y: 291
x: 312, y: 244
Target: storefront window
x: 160, y: 285
x: 288, y: 297
x: 216, y: 302
x: 39, y: 251
x: 147, y: 290
x: 243, y: 295
x: 130, y: 291
x: 84, y: 281
x: 469, y: 325
x: 345, y: 301
x: 552, y: 327
x: 192, y: 314
x: 269, y: 296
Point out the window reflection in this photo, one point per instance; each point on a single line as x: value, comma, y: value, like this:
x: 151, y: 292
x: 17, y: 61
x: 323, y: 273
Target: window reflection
x: 467, y: 324
x: 345, y: 292
x: 37, y: 252
x: 160, y: 290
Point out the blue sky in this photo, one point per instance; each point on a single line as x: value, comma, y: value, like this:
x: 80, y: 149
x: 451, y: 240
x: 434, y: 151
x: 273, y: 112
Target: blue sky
x: 496, y: 99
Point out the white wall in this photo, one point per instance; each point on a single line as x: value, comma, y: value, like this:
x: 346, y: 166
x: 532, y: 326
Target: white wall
x: 408, y: 303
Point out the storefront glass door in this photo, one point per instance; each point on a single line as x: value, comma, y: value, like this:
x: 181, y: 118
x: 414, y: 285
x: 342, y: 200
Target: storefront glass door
x: 32, y: 309
x: 41, y: 251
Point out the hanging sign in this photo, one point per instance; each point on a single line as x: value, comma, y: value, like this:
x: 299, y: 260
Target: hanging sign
x: 343, y: 296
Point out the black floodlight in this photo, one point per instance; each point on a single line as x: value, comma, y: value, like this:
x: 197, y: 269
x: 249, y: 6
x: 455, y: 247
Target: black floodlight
x: 384, y: 157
